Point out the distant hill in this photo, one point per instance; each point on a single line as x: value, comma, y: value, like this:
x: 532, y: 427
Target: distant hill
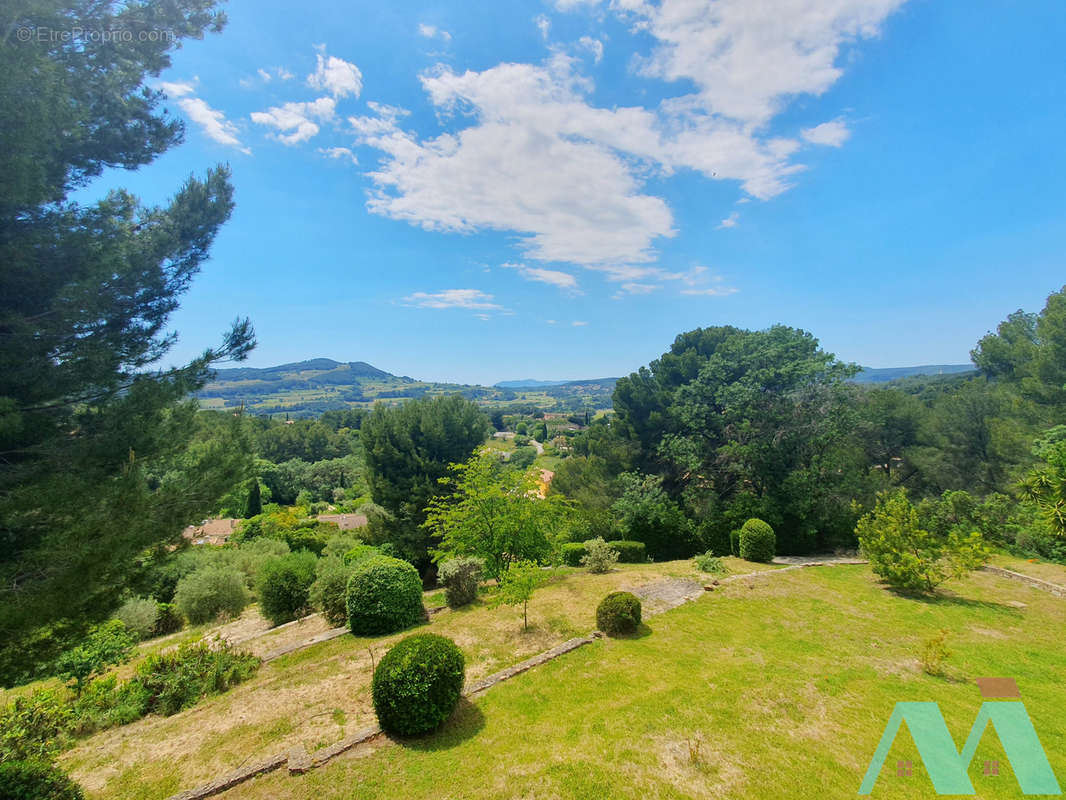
x: 527, y: 383
x: 307, y: 388
x: 886, y: 374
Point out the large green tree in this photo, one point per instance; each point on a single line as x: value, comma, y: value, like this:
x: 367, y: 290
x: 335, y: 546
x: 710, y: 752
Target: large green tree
x: 408, y: 449
x: 495, y: 513
x: 95, y: 455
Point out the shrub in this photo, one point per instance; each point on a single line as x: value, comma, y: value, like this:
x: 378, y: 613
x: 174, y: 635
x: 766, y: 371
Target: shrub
x: 32, y: 726
x: 284, y: 584
x: 618, y: 612
x: 139, y: 615
x: 417, y: 684
x: 210, y: 592
x: 909, y: 557
x: 36, y: 780
x: 106, y: 704
x: 757, y: 541
x: 176, y: 680
x: 168, y: 620
x: 384, y: 596
x: 599, y: 556
x: 573, y: 552
x: 329, y: 591
x: 105, y: 646
x: 517, y: 585
x: 460, y: 578
x: 934, y: 651
x: 630, y: 552
x: 708, y: 562
x: 359, y: 552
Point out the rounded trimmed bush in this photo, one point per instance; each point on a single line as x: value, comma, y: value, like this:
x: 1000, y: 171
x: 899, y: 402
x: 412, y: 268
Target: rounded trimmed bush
x: 573, y: 552
x: 630, y: 552
x: 757, y: 541
x: 384, y: 596
x: 36, y: 780
x: 417, y: 684
x: 618, y: 612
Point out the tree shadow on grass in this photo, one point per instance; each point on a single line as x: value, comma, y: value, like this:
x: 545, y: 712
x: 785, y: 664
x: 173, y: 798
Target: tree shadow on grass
x: 464, y: 723
x: 945, y: 597
x: 642, y: 631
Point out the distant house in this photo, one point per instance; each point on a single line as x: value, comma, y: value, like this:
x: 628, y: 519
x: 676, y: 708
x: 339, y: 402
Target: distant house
x: 211, y: 531
x: 346, y: 522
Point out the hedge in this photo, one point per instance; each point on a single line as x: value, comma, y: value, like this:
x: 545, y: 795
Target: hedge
x: 573, y: 552
x: 630, y: 552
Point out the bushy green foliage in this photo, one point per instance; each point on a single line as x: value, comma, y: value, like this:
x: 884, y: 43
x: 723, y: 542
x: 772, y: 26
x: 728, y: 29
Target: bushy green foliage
x: 33, y: 726
x: 408, y: 449
x: 284, y: 586
x: 106, y: 645
x: 648, y: 514
x: 106, y: 703
x: 757, y: 541
x: 329, y: 592
x: 357, y: 553
x: 460, y: 578
x: 708, y: 562
x: 618, y: 612
x: 572, y: 553
x: 630, y: 552
x: 599, y: 556
x: 495, y: 514
x: 384, y: 596
x: 36, y: 780
x: 418, y: 684
x: 175, y: 680
x: 139, y: 615
x: 211, y: 592
x: 909, y: 557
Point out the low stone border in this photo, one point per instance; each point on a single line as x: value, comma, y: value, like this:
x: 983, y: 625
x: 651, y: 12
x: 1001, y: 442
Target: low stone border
x: 229, y: 781
x: 529, y: 663
x: 1036, y: 583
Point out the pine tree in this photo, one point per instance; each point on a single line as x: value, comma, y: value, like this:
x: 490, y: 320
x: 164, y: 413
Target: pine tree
x: 96, y: 454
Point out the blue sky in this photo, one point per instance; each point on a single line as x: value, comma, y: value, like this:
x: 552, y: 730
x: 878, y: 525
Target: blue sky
x: 478, y: 191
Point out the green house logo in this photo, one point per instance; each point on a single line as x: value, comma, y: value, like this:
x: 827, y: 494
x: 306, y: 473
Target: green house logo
x: 946, y: 766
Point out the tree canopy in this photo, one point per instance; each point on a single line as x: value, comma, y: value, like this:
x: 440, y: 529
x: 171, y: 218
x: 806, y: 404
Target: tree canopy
x: 95, y: 456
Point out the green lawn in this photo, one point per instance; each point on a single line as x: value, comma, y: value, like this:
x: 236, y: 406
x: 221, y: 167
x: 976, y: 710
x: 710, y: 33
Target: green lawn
x: 777, y: 689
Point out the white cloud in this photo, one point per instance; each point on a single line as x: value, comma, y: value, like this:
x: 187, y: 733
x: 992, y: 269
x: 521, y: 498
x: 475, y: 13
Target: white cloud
x: 640, y: 288
x: 283, y: 74
x: 339, y: 153
x: 295, y: 121
x: 212, y: 121
x: 747, y: 58
x: 543, y: 24
x: 831, y: 134
x: 335, y: 75
x: 453, y: 298
x: 266, y: 76
x: 730, y: 221
x: 433, y: 32
x: 563, y: 280
x: 179, y: 89
x: 526, y: 151
x: 714, y: 291
x: 579, y: 323
x: 594, y: 46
